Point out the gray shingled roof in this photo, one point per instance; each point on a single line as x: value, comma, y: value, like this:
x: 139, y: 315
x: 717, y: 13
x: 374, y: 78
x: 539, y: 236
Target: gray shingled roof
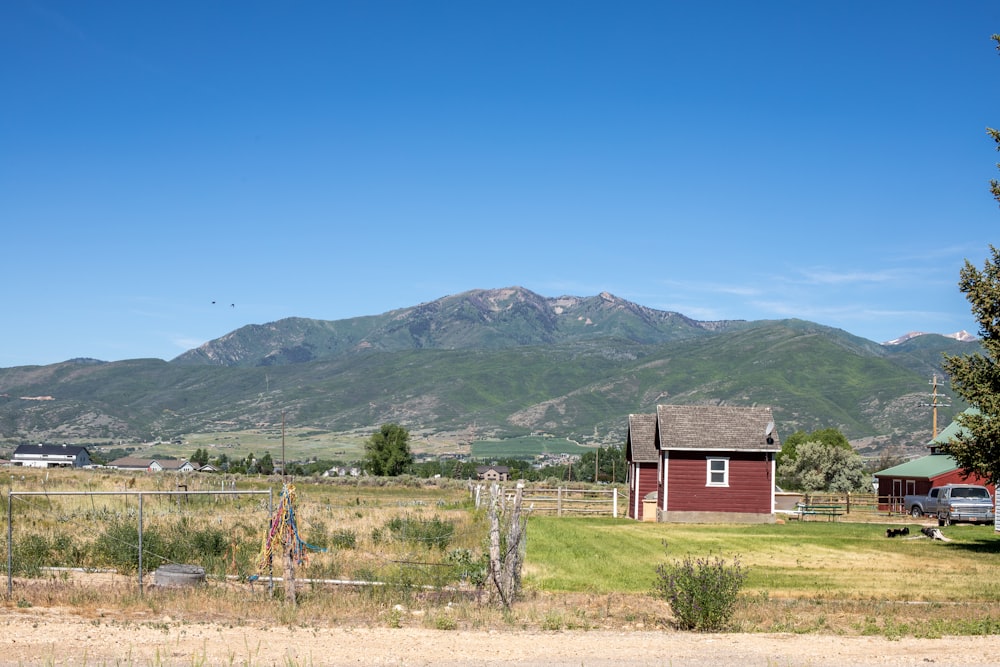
x: 641, y: 442
x: 715, y: 428
x: 130, y: 462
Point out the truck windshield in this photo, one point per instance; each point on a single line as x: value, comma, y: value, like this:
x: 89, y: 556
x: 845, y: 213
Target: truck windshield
x: 969, y: 493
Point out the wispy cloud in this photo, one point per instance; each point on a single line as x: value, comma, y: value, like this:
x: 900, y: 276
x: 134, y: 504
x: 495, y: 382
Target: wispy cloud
x: 184, y: 343
x: 699, y: 286
x: 830, y: 277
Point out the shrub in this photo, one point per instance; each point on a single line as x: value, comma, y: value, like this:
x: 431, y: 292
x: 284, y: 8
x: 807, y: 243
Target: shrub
x: 30, y: 554
x: 344, y: 539
x: 702, y: 592
x: 466, y: 567
x: 118, y: 547
x: 432, y: 532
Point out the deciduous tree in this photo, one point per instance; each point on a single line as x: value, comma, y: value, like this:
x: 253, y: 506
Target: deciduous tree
x: 387, y: 452
x: 828, y: 436
x: 818, y: 466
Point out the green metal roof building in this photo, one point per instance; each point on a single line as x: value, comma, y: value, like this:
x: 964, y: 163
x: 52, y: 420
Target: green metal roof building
x: 921, y: 475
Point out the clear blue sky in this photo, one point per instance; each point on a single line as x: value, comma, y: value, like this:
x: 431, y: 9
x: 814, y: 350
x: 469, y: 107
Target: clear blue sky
x: 820, y: 160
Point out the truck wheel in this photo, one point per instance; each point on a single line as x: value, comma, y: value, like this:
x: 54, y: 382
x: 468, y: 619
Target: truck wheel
x: 915, y: 512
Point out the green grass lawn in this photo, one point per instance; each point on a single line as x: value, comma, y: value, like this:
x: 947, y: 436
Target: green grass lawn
x: 795, y: 560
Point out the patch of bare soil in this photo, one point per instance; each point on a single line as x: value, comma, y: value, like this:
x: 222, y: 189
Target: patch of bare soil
x: 57, y: 636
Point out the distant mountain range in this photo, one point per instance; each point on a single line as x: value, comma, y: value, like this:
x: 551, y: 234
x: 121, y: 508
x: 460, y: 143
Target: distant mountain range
x: 493, y: 363
x: 963, y: 336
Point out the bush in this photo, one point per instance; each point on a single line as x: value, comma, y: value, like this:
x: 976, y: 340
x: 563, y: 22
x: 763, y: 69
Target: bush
x: 118, y: 547
x: 431, y: 533
x: 702, y: 592
x: 344, y: 539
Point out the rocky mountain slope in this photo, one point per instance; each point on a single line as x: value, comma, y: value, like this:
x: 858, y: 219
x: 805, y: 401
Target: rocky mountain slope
x: 493, y: 363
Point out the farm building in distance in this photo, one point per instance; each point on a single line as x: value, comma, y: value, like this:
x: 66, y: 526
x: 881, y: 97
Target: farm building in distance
x: 713, y: 463
x: 493, y: 473
x: 152, y: 465
x: 51, y: 456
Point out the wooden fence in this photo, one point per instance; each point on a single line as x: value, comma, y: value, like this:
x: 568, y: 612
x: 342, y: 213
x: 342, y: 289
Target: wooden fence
x: 562, y: 501
x: 869, y: 504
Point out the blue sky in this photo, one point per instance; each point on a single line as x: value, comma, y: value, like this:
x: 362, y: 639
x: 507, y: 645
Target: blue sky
x: 726, y: 160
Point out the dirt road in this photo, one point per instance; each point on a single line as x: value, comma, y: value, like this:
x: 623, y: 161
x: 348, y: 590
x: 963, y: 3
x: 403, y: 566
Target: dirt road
x: 54, y: 636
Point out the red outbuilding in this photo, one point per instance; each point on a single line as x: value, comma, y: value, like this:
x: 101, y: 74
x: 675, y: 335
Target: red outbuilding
x: 642, y: 457
x: 713, y: 463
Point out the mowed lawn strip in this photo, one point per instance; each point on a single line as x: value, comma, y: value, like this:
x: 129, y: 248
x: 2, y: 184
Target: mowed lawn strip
x: 829, y: 560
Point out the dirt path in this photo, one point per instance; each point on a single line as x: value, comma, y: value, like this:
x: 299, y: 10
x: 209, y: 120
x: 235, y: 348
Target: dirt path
x: 57, y: 637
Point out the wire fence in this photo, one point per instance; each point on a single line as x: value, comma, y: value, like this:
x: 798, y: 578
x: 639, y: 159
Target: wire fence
x: 374, y: 537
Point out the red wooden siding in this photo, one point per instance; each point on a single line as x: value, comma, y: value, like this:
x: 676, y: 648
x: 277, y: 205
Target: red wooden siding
x: 645, y: 474
x: 750, y: 484
x: 922, y: 484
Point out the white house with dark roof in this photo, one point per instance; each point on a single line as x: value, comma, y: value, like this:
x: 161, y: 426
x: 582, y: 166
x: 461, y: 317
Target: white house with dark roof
x: 51, y: 456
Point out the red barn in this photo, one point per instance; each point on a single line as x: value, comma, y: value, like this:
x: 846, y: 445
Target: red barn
x: 919, y: 476
x: 640, y: 452
x: 715, y: 463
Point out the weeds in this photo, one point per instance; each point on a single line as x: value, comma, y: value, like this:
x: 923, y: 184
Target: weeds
x: 702, y: 592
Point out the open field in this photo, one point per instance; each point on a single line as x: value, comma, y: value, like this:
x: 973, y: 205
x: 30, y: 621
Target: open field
x: 526, y: 447
x: 302, y: 444
x: 586, y: 581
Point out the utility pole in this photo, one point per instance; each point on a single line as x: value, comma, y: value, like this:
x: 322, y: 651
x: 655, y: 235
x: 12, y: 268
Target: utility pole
x: 936, y: 402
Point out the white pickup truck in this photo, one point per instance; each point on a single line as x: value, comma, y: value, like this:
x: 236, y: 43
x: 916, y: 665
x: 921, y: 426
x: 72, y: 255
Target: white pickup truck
x: 953, y: 503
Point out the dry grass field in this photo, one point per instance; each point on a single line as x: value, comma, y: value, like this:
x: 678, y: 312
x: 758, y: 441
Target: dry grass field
x: 587, y: 582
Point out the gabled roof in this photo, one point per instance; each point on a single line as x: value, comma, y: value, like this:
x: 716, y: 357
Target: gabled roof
x: 131, y: 462
x: 926, y: 467
x: 953, y: 429
x: 499, y: 469
x: 716, y: 428
x: 172, y: 464
x: 640, y: 445
x: 48, y: 450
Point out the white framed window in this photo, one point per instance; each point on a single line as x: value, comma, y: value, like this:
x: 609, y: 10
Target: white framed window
x: 717, y: 471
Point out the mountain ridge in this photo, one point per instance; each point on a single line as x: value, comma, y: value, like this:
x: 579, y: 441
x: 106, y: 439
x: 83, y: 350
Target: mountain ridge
x: 500, y: 363
x: 483, y: 318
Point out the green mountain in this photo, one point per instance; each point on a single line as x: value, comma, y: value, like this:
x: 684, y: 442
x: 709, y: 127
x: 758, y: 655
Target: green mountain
x: 491, y: 364
x: 479, y: 319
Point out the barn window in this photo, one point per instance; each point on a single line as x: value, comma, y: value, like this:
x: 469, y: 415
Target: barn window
x: 718, y: 472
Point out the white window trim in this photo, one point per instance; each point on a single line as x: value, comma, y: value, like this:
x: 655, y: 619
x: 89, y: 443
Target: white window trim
x: 708, y: 470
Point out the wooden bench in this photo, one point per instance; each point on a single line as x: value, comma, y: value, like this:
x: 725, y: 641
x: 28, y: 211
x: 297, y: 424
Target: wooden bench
x: 830, y: 511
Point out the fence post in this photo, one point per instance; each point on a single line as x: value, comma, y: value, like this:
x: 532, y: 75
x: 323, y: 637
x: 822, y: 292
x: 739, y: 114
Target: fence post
x: 848, y: 502
x: 559, y: 501
x: 10, y: 545
x: 140, y: 544
x: 614, y: 503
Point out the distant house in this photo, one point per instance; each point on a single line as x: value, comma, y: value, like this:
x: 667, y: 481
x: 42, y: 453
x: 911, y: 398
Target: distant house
x: 152, y: 465
x: 342, y: 471
x: 493, y: 473
x: 176, y: 465
x: 642, y: 457
x: 51, y: 456
x: 133, y: 463
x: 921, y: 475
x: 714, y: 463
